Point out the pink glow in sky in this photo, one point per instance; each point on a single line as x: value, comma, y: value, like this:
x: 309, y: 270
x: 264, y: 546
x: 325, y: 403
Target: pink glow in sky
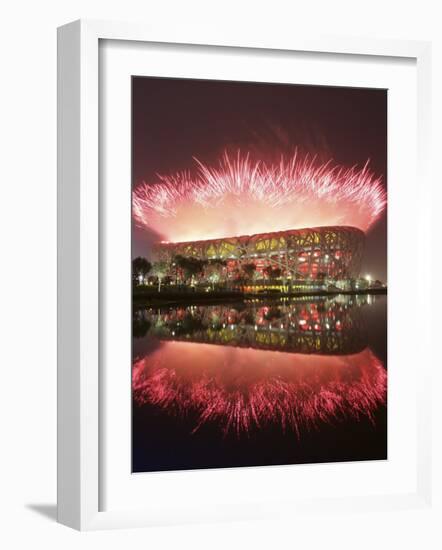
x: 242, y: 389
x: 243, y: 197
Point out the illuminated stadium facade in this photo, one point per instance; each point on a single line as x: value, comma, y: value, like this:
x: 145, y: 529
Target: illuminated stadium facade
x: 303, y: 255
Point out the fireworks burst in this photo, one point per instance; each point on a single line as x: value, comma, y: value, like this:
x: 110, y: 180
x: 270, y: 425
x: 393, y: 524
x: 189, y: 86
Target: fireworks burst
x: 243, y: 197
x: 296, y: 392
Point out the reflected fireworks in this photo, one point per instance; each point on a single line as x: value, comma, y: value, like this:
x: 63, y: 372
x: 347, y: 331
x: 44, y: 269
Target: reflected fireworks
x: 243, y: 390
x: 294, y: 365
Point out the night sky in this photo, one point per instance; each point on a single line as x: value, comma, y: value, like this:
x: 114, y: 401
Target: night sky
x: 174, y: 120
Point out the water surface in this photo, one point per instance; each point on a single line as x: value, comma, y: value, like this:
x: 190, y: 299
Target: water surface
x: 261, y: 382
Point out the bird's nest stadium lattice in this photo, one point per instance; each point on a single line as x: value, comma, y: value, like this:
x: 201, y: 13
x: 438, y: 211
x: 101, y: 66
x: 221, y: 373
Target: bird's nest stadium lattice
x: 302, y: 254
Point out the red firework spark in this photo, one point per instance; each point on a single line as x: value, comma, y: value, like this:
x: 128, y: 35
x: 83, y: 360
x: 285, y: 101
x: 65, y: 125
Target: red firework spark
x: 243, y: 197
x: 244, y: 389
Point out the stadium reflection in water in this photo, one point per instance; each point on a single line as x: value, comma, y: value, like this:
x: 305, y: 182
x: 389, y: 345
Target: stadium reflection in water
x: 259, y: 383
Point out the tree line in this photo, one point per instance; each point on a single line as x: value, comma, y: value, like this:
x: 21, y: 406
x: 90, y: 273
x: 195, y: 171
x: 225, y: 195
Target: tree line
x: 185, y: 270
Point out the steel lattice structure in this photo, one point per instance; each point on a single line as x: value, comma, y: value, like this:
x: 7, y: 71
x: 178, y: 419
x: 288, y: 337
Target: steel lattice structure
x: 311, y: 253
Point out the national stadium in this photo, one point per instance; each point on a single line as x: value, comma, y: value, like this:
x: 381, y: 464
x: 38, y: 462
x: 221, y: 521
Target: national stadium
x: 295, y: 257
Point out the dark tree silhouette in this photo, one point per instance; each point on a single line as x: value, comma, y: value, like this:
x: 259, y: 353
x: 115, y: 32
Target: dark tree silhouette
x: 249, y: 270
x: 189, y: 266
x: 140, y: 268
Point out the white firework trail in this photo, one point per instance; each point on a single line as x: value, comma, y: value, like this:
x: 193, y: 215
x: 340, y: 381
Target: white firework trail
x: 240, y: 196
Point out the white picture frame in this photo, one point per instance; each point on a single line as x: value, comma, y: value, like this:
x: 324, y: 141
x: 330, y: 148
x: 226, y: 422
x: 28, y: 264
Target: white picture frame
x: 79, y: 254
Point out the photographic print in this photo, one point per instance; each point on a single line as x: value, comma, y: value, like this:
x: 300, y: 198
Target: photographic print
x: 259, y: 274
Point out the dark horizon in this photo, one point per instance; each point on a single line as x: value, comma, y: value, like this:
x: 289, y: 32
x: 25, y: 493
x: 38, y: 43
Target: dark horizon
x: 175, y: 120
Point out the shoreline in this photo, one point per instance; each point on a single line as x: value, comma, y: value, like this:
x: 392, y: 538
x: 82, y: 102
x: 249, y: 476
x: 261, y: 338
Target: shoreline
x: 168, y: 298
